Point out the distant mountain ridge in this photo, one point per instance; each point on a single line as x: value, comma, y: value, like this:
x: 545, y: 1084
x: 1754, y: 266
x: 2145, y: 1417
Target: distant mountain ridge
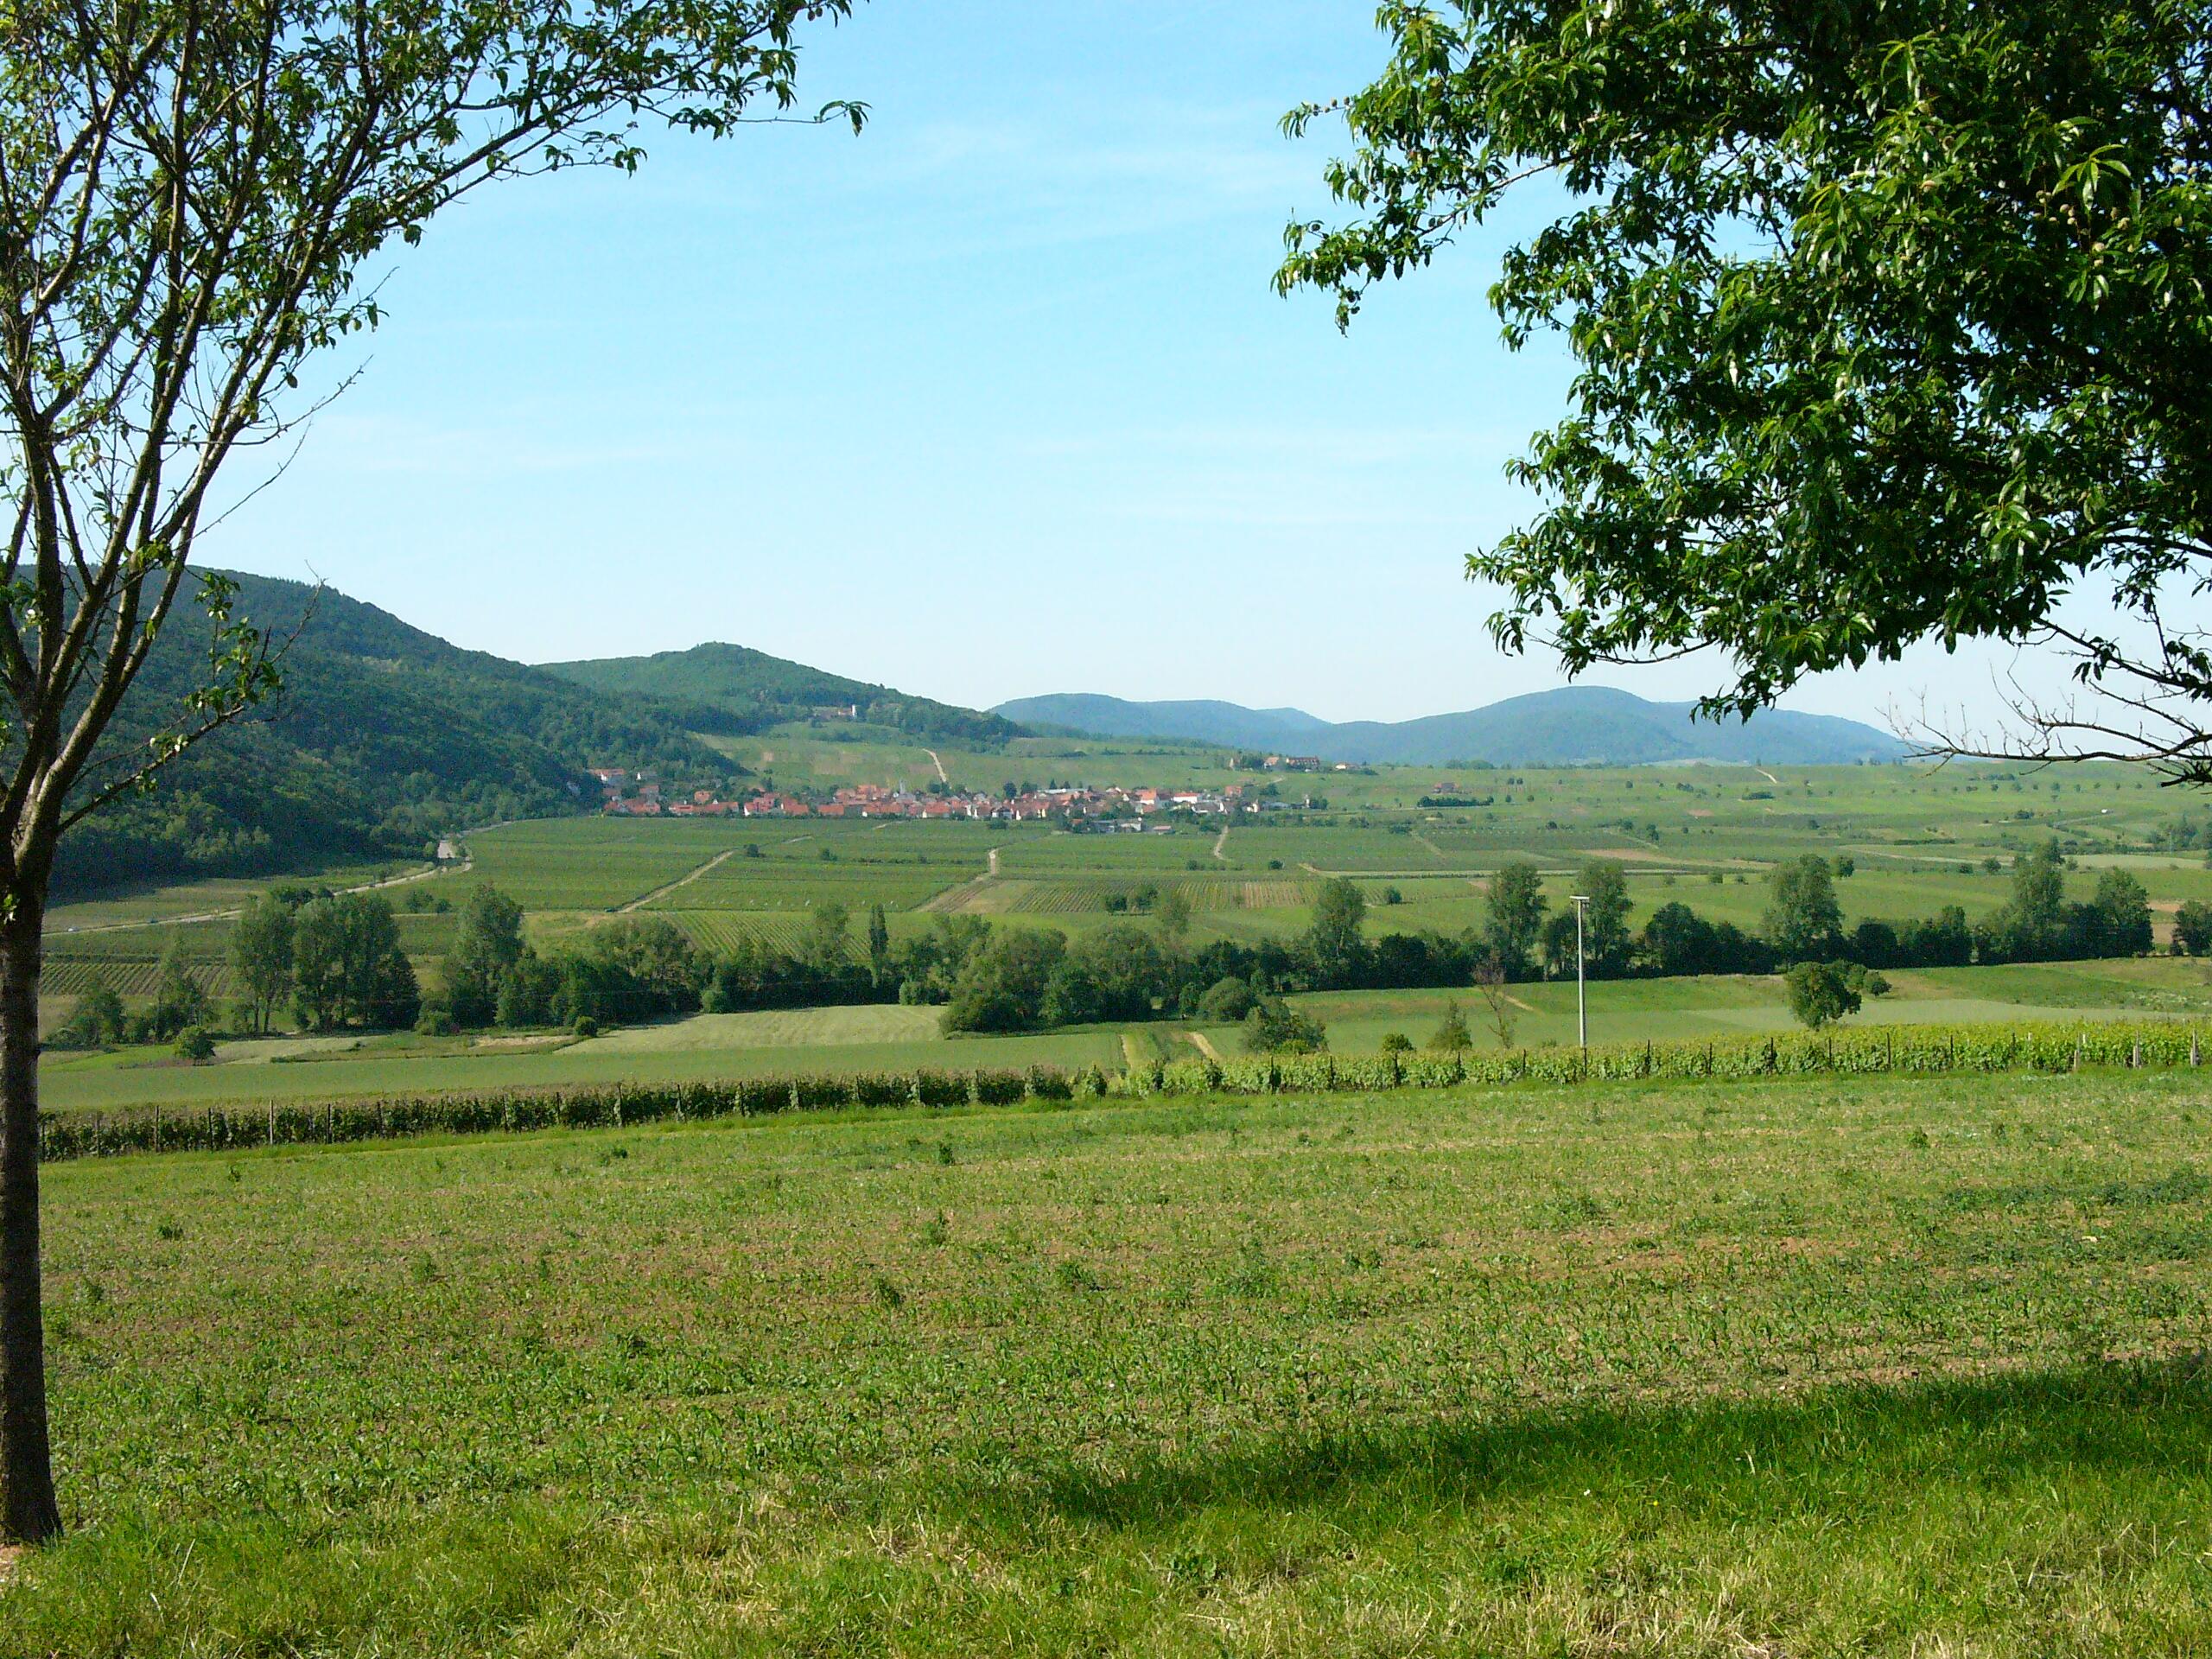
x: 1575, y: 725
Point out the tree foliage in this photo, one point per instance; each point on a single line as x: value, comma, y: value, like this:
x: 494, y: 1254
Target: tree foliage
x: 1516, y: 915
x: 1889, y: 319
x: 190, y: 193
x: 1803, y: 917
x: 1819, y: 993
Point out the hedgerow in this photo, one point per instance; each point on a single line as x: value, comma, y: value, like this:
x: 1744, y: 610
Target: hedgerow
x: 1919, y: 1049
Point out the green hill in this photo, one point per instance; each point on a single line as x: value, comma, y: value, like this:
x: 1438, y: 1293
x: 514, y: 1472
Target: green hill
x: 758, y: 691
x: 385, y: 737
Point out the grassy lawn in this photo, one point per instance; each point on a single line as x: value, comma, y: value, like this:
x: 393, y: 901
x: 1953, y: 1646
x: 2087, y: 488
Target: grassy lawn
x: 1884, y: 1366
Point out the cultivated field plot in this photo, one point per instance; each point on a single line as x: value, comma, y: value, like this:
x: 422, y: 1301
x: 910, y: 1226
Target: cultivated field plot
x: 172, y: 903
x: 1813, y: 1367
x: 586, y: 864
x: 1205, y: 895
x: 855, y: 880
x: 396, y: 1064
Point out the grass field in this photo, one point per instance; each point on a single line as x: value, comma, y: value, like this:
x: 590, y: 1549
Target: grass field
x: 1881, y: 1367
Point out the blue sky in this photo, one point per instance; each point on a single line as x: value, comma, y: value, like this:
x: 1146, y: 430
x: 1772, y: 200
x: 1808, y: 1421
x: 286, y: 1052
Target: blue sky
x: 994, y: 400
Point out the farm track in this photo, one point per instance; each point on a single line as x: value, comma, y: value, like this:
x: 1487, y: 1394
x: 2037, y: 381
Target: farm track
x: 1220, y: 842
x: 1203, y: 1044
x: 960, y: 898
x: 938, y: 764
x: 684, y: 881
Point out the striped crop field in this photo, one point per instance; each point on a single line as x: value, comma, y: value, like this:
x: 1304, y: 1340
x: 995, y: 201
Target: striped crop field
x: 1023, y: 896
x: 129, y: 976
x: 719, y: 932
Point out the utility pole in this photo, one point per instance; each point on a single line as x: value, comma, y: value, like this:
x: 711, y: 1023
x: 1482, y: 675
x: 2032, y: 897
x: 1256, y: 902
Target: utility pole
x: 1581, y: 1000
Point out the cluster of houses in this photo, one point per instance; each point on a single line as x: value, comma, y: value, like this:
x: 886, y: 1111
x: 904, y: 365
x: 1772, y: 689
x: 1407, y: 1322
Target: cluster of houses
x: 628, y: 794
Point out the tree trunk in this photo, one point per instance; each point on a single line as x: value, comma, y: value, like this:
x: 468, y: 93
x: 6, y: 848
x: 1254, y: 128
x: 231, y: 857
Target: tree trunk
x: 28, y: 1514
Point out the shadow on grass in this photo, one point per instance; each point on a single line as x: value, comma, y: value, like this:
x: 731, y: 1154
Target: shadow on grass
x: 1854, y: 1451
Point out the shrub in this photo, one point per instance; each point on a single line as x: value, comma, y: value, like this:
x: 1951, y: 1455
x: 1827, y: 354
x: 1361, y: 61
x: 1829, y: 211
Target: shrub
x: 1274, y: 1027
x: 585, y: 1026
x: 1228, y: 1000
x: 1396, y: 1042
x: 195, y: 1045
x: 1819, y: 992
x: 1451, y: 1037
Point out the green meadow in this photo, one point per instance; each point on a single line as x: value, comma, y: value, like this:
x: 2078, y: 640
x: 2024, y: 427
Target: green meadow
x: 1895, y: 1366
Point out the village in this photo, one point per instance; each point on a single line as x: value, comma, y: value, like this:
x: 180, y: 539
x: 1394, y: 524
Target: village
x: 1110, y: 811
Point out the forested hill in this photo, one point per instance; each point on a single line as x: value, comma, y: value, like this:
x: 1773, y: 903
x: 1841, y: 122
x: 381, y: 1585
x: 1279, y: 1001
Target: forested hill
x: 383, y: 738
x: 1575, y: 725
x: 760, y: 690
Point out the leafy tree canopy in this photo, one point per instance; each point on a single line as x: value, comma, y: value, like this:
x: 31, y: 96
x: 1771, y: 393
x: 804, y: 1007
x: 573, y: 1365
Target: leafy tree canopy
x: 1891, y: 320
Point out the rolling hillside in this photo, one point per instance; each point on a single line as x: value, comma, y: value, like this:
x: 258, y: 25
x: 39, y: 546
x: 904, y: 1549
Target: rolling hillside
x: 385, y: 737
x: 757, y: 690
x: 1572, y: 725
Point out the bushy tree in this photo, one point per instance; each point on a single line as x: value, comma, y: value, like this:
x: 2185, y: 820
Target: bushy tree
x: 2122, y: 910
x: 1802, y: 917
x: 487, y: 942
x: 662, y: 969
x: 528, y: 992
x: 1819, y: 993
x: 1227, y: 1000
x: 179, y: 999
x: 829, y: 937
x: 1451, y: 1035
x: 1516, y: 915
x: 1335, y: 943
x: 97, y: 1021
x: 1887, y: 323
x: 196, y: 195
x: 2192, y: 928
x: 348, y: 967
x: 1274, y: 1027
x: 1116, y: 973
x: 1943, y: 941
x: 1604, y: 918
x: 1676, y: 940
x: 261, y: 957
x: 1002, y: 986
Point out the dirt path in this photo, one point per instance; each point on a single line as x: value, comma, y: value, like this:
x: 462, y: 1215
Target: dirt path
x: 954, y: 899
x: 1203, y: 1044
x: 938, y: 764
x: 684, y: 881
x: 1220, y: 842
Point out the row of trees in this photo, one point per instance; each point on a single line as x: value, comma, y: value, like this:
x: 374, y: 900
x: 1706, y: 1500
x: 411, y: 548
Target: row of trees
x: 334, y: 957
x: 1803, y: 922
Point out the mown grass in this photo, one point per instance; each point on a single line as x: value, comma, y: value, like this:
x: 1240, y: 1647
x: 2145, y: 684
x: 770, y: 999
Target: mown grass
x: 1830, y: 1366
